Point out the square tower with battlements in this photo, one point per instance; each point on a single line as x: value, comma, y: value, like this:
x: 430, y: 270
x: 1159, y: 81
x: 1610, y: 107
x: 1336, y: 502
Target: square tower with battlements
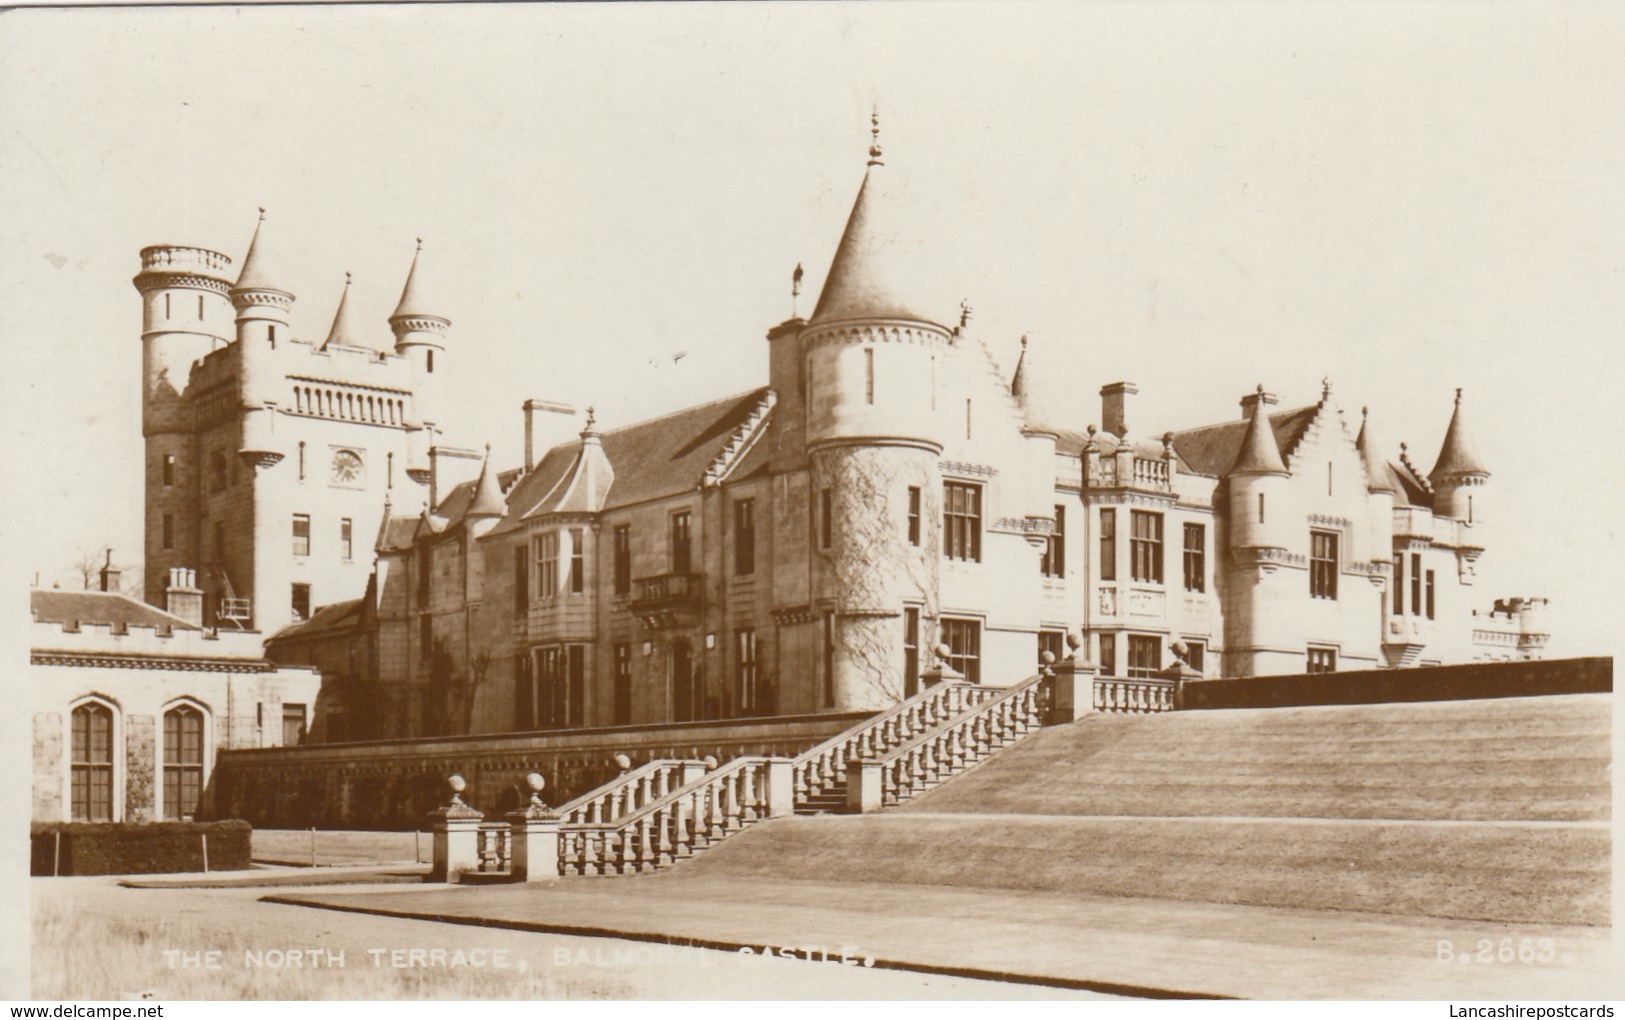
x: 270, y: 457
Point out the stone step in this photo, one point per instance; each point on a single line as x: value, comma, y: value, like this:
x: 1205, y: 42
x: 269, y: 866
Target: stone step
x: 1505, y: 872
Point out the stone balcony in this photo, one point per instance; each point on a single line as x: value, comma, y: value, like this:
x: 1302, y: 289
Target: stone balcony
x: 667, y: 600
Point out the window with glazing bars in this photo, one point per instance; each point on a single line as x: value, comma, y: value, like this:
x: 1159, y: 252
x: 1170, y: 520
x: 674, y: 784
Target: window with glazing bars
x: 962, y: 521
x: 1323, y: 564
x: 1145, y: 549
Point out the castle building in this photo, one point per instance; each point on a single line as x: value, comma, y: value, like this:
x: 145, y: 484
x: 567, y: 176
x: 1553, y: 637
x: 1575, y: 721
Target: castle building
x: 803, y: 547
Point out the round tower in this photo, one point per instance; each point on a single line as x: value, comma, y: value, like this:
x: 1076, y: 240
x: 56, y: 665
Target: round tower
x: 185, y: 315
x: 1458, y: 477
x: 871, y: 426
x: 262, y: 326
x: 1263, y: 585
x: 1380, y: 492
x: 420, y: 337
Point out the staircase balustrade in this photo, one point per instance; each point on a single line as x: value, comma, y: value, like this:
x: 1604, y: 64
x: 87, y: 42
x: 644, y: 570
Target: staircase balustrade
x: 630, y: 791
x: 680, y: 824
x: 823, y: 768
x: 1113, y: 694
x: 972, y: 734
x: 495, y: 848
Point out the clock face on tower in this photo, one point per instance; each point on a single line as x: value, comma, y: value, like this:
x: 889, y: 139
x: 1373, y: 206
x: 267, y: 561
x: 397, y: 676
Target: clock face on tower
x: 348, y: 468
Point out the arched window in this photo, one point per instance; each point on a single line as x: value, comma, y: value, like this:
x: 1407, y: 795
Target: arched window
x: 183, y: 761
x: 92, y: 763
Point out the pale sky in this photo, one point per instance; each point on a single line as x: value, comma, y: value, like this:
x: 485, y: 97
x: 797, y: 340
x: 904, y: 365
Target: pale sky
x: 1198, y: 198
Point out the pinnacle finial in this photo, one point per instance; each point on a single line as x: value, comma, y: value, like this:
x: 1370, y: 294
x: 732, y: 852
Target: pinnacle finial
x: 346, y: 277
x: 1365, y: 412
x: 488, y: 449
x: 420, y: 244
x: 1261, y: 389
x: 874, y: 132
x: 1458, y: 394
x: 1326, y: 388
x: 964, y: 312
x: 1023, y: 341
x: 592, y: 416
x: 262, y: 214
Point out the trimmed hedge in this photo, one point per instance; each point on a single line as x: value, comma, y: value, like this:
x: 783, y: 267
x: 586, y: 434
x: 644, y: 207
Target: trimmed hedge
x: 123, y: 848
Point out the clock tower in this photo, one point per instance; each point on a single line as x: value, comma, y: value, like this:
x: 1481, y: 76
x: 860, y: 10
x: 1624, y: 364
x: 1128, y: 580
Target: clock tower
x: 271, y: 454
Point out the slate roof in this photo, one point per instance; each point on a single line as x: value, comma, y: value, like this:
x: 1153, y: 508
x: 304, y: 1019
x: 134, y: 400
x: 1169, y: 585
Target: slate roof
x: 330, y: 619
x: 258, y: 272
x: 414, y: 302
x: 73, y: 608
x: 652, y: 459
x: 1456, y: 453
x: 1211, y: 449
x: 866, y: 278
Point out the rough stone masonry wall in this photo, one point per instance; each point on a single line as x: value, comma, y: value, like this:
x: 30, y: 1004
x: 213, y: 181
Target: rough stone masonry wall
x: 394, y: 784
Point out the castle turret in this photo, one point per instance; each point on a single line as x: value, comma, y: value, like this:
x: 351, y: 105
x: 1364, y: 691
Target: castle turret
x: 1380, y: 494
x: 262, y: 306
x: 345, y: 331
x: 185, y: 315
x: 1040, y: 435
x: 420, y: 337
x: 872, y: 360
x: 1458, y: 477
x: 1258, y: 482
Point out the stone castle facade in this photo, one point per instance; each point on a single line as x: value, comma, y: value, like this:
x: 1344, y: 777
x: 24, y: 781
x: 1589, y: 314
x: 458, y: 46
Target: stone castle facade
x: 802, y: 547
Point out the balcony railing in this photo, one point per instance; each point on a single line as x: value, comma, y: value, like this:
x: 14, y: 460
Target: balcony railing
x: 660, y: 599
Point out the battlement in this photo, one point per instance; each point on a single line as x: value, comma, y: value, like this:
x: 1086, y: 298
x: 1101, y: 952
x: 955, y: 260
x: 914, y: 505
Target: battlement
x: 237, y: 650
x: 183, y: 259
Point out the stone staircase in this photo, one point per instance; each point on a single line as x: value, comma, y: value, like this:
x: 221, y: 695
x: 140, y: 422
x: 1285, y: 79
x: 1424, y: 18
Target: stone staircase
x: 1494, y: 810
x: 680, y: 810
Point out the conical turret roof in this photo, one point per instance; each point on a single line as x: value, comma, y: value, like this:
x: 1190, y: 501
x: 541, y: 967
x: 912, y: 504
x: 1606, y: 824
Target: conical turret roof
x: 1259, y: 453
x: 414, y: 301
x: 259, y: 265
x: 1456, y: 455
x: 345, y: 331
x: 1034, y: 411
x: 867, y: 277
x: 487, y: 501
x: 1379, y: 477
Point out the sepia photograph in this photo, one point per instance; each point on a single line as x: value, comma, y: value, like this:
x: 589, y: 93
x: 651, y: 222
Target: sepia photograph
x: 792, y: 501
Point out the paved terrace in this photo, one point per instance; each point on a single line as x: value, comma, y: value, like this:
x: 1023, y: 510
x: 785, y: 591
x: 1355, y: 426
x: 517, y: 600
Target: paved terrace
x: 1102, y: 943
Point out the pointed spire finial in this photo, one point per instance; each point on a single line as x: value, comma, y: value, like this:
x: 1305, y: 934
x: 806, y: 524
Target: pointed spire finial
x: 1458, y: 394
x: 874, y: 132
x: 964, y: 312
x: 1326, y: 388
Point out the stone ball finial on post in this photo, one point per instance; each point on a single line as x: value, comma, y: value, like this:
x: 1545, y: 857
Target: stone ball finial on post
x: 710, y: 762
x: 534, y: 782
x: 623, y: 762
x: 456, y: 784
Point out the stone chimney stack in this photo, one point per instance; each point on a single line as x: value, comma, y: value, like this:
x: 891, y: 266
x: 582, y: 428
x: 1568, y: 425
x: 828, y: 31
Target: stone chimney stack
x: 1114, y: 406
x: 183, y: 598
x: 547, y: 424
x: 110, y: 574
x: 450, y: 466
x: 1247, y: 402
